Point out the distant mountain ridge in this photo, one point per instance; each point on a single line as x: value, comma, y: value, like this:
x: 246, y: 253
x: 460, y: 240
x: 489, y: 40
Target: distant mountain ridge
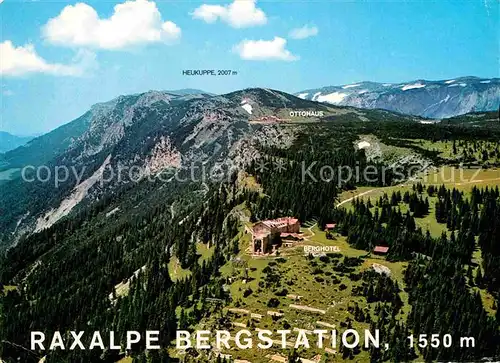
x: 432, y: 99
x: 10, y: 142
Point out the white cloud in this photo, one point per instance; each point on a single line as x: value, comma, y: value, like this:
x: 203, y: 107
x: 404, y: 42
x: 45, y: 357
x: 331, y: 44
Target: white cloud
x: 239, y: 14
x: 304, y: 32
x: 17, y: 61
x: 132, y: 23
x: 264, y: 50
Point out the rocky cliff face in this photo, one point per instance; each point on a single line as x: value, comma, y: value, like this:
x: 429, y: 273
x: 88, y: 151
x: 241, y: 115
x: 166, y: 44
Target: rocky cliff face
x: 433, y: 99
x: 101, y: 127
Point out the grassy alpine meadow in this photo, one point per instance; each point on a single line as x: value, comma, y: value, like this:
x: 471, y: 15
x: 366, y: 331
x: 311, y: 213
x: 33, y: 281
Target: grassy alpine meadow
x: 296, y: 291
x: 304, y: 292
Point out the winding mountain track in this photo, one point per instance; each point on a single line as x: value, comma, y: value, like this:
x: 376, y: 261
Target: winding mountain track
x: 476, y: 181
x: 310, y: 230
x: 356, y: 196
x: 403, y: 184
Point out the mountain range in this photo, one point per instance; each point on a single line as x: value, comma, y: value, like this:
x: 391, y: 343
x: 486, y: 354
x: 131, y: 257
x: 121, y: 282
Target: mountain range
x: 154, y: 132
x: 431, y: 99
x: 158, y: 133
x: 138, y: 208
x: 10, y: 142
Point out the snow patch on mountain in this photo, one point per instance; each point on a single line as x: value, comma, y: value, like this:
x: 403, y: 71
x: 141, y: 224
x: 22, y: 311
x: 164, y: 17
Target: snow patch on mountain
x: 412, y: 86
x: 247, y: 107
x: 449, y: 81
x: 302, y: 95
x: 350, y: 86
x: 245, y: 104
x: 335, y: 97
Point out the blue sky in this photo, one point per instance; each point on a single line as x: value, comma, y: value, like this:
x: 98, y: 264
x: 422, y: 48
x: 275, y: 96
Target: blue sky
x: 52, y: 71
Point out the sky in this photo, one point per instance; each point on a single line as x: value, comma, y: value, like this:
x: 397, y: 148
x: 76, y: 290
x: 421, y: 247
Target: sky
x: 57, y: 58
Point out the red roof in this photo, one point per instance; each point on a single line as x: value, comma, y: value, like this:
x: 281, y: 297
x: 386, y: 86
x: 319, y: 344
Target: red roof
x: 381, y: 249
x: 280, y: 221
x: 331, y: 225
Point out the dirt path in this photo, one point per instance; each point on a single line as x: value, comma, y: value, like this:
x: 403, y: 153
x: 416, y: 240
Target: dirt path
x: 409, y: 182
x: 474, y: 181
x: 311, y: 231
x: 354, y: 197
